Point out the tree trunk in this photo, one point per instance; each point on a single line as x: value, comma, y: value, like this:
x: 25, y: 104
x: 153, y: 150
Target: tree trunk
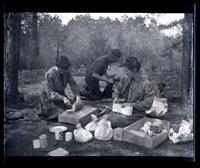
x: 5, y: 35
x: 35, y: 39
x: 187, y: 67
x: 12, y: 58
x: 58, y: 45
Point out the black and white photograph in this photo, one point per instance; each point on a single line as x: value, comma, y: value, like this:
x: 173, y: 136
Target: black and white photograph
x: 99, y: 84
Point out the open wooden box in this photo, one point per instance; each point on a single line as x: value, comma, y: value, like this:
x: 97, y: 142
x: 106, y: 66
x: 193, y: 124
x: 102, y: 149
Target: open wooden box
x: 132, y: 134
x: 82, y: 116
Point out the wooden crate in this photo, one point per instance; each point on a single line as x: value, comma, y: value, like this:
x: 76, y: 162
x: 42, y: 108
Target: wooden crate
x: 117, y: 134
x: 132, y: 134
x: 82, y: 116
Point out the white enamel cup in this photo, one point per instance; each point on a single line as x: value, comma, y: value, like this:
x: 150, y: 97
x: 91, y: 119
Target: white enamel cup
x: 68, y: 136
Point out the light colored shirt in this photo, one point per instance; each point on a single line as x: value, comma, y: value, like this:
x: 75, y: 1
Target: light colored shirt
x: 138, y: 91
x: 55, y: 84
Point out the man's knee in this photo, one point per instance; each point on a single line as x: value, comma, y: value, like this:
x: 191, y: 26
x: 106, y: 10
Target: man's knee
x: 118, y: 120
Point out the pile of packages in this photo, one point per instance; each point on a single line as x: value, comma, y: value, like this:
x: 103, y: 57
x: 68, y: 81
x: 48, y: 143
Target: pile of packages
x: 159, y: 107
x: 82, y: 135
x: 101, y: 130
x: 184, y: 133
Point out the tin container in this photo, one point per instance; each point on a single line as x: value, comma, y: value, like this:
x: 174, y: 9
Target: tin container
x: 68, y: 136
x: 36, y: 143
x: 58, y: 131
x: 43, y: 141
x: 59, y: 135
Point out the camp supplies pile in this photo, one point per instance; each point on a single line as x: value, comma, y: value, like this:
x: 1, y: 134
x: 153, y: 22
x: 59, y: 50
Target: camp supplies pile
x: 82, y: 135
x: 137, y: 133
x: 184, y: 134
x: 159, y: 107
x: 104, y: 130
x: 91, y: 126
x: 146, y: 129
x: 119, y: 108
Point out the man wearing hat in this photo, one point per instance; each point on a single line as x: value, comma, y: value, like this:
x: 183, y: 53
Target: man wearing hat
x: 137, y: 91
x: 53, y: 99
x: 98, y: 72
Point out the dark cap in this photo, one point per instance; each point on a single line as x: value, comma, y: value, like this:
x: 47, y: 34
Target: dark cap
x: 63, y: 62
x: 116, y: 53
x: 132, y: 63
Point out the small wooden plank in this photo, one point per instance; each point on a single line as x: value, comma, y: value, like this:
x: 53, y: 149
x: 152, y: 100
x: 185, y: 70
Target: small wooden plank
x: 58, y: 152
x: 82, y: 116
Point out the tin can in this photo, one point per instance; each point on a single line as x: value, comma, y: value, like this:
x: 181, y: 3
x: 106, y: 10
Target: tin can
x: 36, y: 143
x: 68, y: 136
x: 58, y: 135
x: 43, y: 141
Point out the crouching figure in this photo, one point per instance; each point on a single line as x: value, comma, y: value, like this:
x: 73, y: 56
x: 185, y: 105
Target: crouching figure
x: 53, y: 99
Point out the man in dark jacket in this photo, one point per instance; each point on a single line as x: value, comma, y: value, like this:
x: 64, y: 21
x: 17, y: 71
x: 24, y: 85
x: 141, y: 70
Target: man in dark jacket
x: 98, y: 72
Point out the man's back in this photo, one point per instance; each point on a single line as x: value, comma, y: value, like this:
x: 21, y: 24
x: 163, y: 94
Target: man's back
x: 100, y: 65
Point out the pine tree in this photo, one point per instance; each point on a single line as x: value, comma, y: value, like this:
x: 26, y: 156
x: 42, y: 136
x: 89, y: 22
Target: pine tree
x: 13, y: 25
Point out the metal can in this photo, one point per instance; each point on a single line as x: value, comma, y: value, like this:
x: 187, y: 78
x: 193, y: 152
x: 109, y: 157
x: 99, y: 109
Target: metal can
x: 43, y: 141
x: 36, y: 143
x: 68, y: 136
x: 58, y: 135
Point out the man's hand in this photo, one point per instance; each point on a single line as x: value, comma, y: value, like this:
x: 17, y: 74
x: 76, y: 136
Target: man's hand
x: 116, y: 100
x: 78, y: 104
x: 67, y: 102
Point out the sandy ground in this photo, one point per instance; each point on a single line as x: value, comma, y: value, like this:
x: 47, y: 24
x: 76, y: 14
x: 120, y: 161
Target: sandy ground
x: 20, y: 133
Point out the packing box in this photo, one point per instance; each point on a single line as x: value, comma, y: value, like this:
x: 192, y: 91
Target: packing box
x: 132, y: 134
x: 82, y: 116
